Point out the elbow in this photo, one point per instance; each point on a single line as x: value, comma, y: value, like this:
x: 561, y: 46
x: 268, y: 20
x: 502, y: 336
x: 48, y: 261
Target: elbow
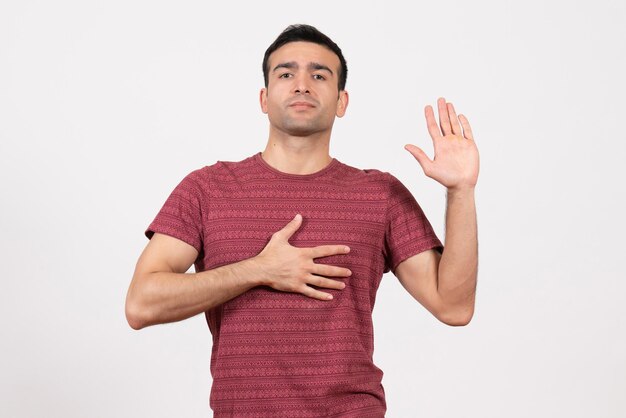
x: 134, y: 317
x: 136, y: 313
x: 458, y: 322
x: 134, y: 320
x: 140, y: 312
x: 457, y: 318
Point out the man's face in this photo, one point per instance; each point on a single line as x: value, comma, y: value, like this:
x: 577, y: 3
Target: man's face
x: 302, y: 96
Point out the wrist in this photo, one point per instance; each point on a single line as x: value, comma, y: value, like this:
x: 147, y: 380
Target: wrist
x: 253, y: 269
x: 460, y: 190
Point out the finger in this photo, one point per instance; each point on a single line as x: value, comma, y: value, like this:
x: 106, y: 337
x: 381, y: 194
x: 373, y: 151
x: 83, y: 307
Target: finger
x: 316, y: 294
x: 293, y: 225
x: 444, y: 119
x: 431, y: 123
x: 419, y: 155
x: 326, y: 250
x: 330, y: 271
x: 325, y: 282
x: 454, y: 120
x: 467, y: 130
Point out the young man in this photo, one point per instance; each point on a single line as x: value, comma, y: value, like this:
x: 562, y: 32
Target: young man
x: 289, y: 246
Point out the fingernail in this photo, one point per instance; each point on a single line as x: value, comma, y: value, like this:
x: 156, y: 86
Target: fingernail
x: 347, y: 249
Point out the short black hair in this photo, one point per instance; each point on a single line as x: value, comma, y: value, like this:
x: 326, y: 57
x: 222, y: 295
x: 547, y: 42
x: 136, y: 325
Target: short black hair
x: 306, y: 33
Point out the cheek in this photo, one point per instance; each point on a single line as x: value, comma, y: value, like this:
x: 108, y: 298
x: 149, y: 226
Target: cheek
x: 274, y: 107
x: 274, y: 97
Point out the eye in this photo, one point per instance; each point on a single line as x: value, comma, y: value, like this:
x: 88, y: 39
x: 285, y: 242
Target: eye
x: 284, y: 75
x: 319, y: 77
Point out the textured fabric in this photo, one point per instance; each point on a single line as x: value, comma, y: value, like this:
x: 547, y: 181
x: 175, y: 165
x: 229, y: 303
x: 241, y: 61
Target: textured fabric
x: 281, y: 354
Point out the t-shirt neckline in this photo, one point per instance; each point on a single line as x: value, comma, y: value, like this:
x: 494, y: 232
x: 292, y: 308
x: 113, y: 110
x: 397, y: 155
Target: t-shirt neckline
x: 259, y: 159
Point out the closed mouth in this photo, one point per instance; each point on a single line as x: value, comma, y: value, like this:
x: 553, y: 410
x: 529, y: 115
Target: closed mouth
x: 302, y: 104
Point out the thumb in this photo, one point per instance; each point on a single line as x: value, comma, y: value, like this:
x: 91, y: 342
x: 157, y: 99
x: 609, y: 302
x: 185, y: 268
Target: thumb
x: 419, y: 155
x: 293, y: 225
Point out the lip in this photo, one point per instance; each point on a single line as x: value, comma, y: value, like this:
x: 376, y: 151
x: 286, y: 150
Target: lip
x: 301, y: 104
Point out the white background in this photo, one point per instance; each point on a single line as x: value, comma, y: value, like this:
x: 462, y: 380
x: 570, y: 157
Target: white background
x: 106, y: 106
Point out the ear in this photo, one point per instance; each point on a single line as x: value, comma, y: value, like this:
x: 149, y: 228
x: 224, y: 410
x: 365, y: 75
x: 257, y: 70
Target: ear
x: 263, y: 99
x: 342, y: 103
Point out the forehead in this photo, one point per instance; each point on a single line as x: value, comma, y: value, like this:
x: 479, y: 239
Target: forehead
x: 304, y: 52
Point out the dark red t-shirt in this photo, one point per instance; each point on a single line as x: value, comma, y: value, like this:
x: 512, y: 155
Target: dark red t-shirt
x: 281, y: 354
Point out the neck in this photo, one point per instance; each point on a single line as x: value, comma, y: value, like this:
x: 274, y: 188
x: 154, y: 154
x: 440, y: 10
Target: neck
x: 297, y: 154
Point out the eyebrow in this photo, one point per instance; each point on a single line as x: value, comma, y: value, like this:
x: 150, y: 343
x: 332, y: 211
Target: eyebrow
x: 312, y: 66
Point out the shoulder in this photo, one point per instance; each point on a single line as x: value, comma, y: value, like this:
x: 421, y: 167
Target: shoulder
x: 384, y: 181
x: 218, y: 168
x: 363, y: 175
x: 218, y: 176
x: 383, y: 184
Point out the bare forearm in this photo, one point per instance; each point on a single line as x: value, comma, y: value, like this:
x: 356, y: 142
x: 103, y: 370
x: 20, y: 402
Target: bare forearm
x: 169, y: 297
x: 459, y: 262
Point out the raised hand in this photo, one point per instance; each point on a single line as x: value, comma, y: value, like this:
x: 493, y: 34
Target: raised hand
x: 456, y: 161
x: 290, y: 269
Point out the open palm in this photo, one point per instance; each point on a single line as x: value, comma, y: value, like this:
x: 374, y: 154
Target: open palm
x: 456, y: 162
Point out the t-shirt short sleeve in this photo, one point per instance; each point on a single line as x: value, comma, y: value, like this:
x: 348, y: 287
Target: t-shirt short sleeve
x: 407, y: 231
x: 181, y: 214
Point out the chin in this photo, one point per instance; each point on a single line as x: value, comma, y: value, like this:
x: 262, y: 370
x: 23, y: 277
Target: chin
x: 301, y: 130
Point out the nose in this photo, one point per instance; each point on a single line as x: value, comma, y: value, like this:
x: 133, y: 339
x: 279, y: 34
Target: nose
x: 301, y: 85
